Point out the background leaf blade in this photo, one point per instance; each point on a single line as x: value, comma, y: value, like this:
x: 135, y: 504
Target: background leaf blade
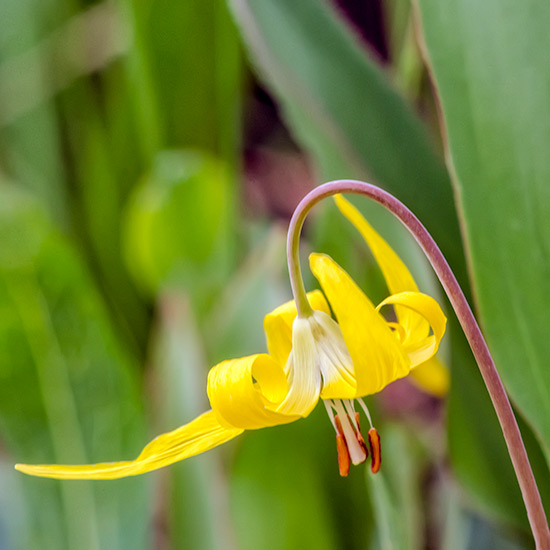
x: 493, y: 89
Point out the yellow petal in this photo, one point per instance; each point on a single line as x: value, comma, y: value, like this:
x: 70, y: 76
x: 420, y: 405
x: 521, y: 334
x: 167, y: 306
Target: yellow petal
x: 278, y: 325
x: 432, y: 376
x: 200, y: 435
x: 246, y: 392
x: 378, y: 358
x: 420, y: 348
x: 398, y: 278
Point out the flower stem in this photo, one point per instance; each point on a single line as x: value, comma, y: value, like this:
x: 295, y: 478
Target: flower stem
x: 501, y: 403
x: 293, y: 256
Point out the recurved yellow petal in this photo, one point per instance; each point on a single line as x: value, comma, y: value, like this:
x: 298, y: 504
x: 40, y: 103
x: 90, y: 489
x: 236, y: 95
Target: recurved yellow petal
x: 278, y: 325
x: 246, y: 392
x: 200, y: 435
x: 398, y: 278
x: 420, y: 348
x: 432, y: 377
x: 378, y: 357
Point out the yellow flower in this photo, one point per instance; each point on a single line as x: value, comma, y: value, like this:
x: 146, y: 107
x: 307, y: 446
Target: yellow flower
x: 309, y: 358
x: 430, y: 374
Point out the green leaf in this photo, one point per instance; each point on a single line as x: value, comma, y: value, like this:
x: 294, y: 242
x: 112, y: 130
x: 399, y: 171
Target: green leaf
x: 68, y: 391
x: 395, y: 492
x: 235, y: 322
x: 177, y: 221
x: 476, y: 445
x: 478, y: 452
x: 342, y: 109
x: 198, y: 92
x: 281, y: 470
x: 30, y: 143
x: 464, y: 530
x: 489, y: 62
x: 197, y: 487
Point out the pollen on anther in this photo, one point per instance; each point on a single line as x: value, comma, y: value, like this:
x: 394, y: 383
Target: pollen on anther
x: 376, y: 452
x: 344, y: 460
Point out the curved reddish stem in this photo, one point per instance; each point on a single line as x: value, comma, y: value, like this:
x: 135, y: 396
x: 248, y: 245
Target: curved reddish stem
x: 501, y: 403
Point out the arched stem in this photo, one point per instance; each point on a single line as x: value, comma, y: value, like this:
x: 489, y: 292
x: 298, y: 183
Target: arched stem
x: 499, y: 398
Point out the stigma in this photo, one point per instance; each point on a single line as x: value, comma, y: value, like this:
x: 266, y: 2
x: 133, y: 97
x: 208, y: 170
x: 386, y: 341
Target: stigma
x: 350, y: 443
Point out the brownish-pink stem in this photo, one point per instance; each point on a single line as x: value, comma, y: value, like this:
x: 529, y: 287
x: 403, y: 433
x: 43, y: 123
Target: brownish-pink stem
x: 501, y: 403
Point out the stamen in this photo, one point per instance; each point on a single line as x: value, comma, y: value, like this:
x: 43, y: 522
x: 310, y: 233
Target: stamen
x: 374, y: 442
x: 366, y: 410
x: 328, y: 406
x: 343, y: 452
x: 360, y: 438
x: 350, y: 409
x: 356, y: 451
x: 350, y: 444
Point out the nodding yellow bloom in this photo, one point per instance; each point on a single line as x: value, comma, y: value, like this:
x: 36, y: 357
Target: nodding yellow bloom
x: 339, y: 361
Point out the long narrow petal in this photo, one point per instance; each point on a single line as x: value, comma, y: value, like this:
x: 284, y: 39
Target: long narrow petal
x: 398, y: 277
x: 278, y: 325
x: 200, y: 435
x: 247, y: 392
x: 378, y: 357
x: 420, y: 348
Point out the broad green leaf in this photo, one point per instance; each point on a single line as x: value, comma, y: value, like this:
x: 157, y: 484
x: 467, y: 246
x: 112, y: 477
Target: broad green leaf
x: 68, y: 391
x: 177, y: 220
x: 490, y: 66
x: 30, y: 143
x: 97, y: 155
x: 342, y: 109
x: 195, y: 61
x: 478, y: 452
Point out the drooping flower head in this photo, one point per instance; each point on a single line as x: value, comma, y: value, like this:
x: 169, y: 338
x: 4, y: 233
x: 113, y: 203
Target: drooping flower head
x: 311, y: 357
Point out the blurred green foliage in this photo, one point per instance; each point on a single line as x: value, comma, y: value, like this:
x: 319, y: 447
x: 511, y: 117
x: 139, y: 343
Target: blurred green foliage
x: 138, y: 248
x: 163, y: 237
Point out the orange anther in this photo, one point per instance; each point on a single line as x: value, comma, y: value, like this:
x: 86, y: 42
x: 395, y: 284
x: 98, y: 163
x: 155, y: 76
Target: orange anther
x: 374, y: 442
x: 343, y: 455
x: 338, y: 425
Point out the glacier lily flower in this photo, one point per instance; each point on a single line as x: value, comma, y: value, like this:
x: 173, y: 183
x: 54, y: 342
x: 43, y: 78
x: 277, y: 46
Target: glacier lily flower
x: 310, y: 357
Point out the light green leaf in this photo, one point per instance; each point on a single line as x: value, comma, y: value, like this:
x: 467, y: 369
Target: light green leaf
x: 490, y: 65
x: 464, y: 530
x: 198, y: 486
x: 478, y: 452
x: 177, y: 221
x: 67, y: 391
x: 198, y: 93
x: 342, y: 109
x: 395, y: 492
x: 235, y: 323
x: 280, y: 470
x: 31, y: 143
